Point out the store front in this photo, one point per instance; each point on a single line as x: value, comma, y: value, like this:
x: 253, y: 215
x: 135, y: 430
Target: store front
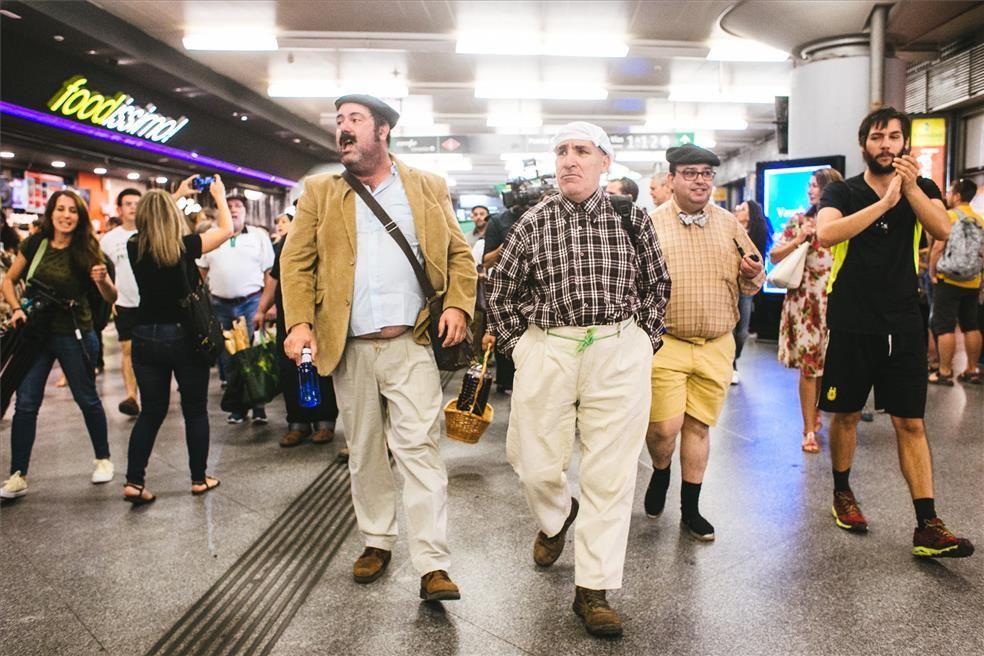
x: 100, y: 126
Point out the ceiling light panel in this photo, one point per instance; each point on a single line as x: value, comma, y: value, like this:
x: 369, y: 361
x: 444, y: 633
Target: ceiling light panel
x: 745, y: 50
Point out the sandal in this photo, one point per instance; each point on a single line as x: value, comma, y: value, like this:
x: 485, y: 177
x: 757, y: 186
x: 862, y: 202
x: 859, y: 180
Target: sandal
x: 937, y: 378
x: 138, y: 499
x: 810, y: 443
x: 971, y: 378
x: 210, y: 484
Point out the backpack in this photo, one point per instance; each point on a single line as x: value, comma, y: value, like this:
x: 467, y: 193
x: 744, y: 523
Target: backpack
x: 963, y: 257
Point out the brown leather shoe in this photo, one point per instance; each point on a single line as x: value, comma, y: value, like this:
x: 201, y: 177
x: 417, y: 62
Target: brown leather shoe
x: 291, y: 438
x: 546, y: 550
x: 371, y: 564
x: 438, y: 586
x: 322, y: 436
x: 599, y: 618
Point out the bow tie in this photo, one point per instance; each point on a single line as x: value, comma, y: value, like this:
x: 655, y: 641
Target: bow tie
x: 700, y: 219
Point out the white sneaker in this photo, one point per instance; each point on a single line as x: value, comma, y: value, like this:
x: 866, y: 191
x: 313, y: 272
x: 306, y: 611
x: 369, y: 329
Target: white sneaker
x: 735, y: 378
x: 13, y: 487
x: 104, y: 471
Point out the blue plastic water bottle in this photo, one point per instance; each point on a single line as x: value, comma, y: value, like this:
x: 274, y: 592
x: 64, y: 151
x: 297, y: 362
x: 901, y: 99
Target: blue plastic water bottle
x: 308, y: 388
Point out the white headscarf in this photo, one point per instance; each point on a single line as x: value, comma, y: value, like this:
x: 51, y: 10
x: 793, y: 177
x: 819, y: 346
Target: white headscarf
x: 584, y: 131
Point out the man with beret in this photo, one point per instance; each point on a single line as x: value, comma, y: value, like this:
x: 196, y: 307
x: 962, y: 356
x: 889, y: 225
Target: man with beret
x: 711, y: 260
x: 577, y: 298
x: 351, y: 296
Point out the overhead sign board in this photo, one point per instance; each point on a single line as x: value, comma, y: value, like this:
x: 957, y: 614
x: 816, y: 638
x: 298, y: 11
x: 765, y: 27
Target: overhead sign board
x: 115, y: 112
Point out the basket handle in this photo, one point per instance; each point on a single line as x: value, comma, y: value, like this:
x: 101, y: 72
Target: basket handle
x: 481, y: 379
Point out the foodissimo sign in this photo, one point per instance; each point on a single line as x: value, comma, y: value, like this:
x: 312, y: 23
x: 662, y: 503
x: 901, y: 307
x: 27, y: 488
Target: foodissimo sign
x: 116, y: 112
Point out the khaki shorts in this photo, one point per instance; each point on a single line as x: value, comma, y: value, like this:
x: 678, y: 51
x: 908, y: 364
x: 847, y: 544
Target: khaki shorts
x: 691, y: 377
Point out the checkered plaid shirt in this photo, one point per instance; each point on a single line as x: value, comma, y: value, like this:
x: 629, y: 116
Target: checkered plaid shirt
x: 573, y: 264
x: 704, y: 263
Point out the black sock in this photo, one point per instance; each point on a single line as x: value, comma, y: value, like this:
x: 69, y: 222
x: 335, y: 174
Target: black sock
x: 661, y: 477
x: 689, y: 496
x: 925, y: 510
x: 840, y: 481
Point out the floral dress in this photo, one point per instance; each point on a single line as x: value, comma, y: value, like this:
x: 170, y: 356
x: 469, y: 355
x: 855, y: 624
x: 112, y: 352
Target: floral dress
x: 803, y: 326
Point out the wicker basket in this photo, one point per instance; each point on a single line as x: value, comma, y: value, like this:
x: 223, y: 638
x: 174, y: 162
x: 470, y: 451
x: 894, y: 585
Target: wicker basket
x: 465, y: 425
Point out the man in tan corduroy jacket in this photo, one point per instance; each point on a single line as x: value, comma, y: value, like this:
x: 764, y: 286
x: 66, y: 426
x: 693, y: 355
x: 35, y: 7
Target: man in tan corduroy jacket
x: 350, y: 295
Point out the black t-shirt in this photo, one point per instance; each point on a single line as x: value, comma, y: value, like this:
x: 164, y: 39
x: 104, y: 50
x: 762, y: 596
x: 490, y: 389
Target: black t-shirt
x: 278, y: 298
x: 162, y: 288
x: 876, y: 288
x: 497, y: 229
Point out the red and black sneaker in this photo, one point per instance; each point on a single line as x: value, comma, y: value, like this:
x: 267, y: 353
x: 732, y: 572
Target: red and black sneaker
x: 936, y: 541
x: 847, y: 512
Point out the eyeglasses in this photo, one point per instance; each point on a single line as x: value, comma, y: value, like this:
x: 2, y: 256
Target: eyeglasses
x: 691, y: 174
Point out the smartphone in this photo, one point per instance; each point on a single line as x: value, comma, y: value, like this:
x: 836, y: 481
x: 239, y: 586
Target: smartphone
x: 201, y: 183
x: 741, y: 251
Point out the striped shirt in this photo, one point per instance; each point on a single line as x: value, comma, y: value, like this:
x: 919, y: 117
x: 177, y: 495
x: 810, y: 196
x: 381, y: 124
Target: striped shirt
x: 573, y: 264
x: 704, y: 264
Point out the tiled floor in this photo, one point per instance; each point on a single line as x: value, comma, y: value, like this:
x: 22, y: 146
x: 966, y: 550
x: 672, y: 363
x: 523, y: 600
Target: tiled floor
x: 84, y: 573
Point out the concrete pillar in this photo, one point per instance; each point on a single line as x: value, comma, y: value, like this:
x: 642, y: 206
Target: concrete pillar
x: 829, y: 97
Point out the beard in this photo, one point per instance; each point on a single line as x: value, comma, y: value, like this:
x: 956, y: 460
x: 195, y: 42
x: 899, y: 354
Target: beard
x: 875, y: 167
x: 362, y: 160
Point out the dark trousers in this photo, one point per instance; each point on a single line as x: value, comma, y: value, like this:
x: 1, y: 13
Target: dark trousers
x: 160, y: 350
x: 745, y: 304
x: 505, y: 370
x: 77, y: 360
x: 326, y: 413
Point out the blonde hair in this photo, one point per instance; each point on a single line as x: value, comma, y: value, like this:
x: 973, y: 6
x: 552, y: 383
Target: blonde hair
x: 160, y: 227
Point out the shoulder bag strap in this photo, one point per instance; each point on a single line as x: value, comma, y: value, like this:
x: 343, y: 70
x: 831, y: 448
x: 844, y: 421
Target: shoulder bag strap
x: 36, y: 259
x: 394, y: 232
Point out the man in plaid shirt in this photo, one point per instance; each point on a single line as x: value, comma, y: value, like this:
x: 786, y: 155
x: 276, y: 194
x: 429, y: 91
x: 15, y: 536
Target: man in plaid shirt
x: 577, y: 297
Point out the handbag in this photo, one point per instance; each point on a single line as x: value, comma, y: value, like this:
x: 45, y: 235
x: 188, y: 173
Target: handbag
x: 788, y: 274
x: 449, y: 358
x: 200, y: 324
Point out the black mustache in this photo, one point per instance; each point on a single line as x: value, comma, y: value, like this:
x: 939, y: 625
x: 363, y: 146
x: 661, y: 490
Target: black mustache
x: 346, y: 138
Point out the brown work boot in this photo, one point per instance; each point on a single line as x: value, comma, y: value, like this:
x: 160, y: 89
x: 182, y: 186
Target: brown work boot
x: 546, y: 550
x: 599, y: 618
x: 291, y: 438
x: 322, y: 436
x: 371, y: 564
x: 438, y: 586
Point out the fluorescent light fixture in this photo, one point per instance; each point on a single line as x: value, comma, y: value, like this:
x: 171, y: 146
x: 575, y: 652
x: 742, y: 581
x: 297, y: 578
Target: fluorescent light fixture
x: 332, y: 89
x: 690, y: 125
x: 242, y: 40
x: 713, y: 94
x: 554, y: 44
x: 573, y: 90
x: 252, y: 194
x: 745, y: 50
x: 132, y: 175
x: 434, y: 130
x: 58, y: 164
x: 640, y: 155
x: 160, y: 179
x: 100, y: 170
x: 438, y: 162
x: 514, y: 120
x: 704, y: 140
x: 6, y: 154
x: 91, y: 131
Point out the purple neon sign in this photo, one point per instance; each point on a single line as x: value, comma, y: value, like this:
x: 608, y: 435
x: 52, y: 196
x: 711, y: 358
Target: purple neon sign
x: 132, y: 142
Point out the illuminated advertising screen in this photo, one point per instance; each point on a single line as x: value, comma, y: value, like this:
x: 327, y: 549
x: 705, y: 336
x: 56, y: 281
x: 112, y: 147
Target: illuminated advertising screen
x: 781, y: 188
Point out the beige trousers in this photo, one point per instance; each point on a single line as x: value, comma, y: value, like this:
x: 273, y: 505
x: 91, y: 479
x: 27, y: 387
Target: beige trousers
x: 389, y: 393
x: 603, y: 392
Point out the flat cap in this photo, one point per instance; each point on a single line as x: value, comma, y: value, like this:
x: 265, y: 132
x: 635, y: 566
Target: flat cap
x: 691, y: 154
x: 373, y: 103
x: 235, y: 194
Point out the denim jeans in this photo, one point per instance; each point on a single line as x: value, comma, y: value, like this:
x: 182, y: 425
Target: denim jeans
x: 160, y: 350
x: 226, y: 312
x: 78, y: 369
x: 744, y: 320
